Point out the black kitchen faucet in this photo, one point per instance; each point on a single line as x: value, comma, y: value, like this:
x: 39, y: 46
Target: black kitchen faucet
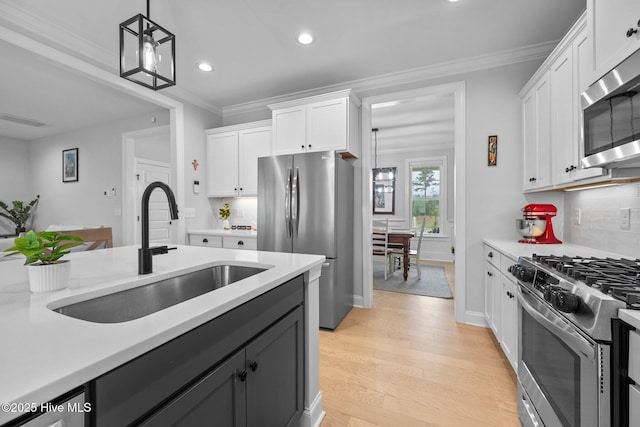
x: 145, y: 253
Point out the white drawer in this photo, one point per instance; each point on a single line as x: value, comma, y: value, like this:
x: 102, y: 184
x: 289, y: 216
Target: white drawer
x: 240, y: 243
x: 204, y: 240
x: 634, y: 357
x: 505, y: 263
x: 491, y: 255
x: 634, y: 405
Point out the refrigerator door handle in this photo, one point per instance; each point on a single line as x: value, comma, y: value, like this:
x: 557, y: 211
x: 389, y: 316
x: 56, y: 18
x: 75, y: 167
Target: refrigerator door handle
x: 287, y: 202
x: 295, y: 204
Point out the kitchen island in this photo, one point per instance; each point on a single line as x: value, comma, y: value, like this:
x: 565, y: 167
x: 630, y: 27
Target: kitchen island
x: 47, y: 354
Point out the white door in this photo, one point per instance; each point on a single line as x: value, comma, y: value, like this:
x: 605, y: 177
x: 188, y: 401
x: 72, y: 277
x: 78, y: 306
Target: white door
x: 160, y: 224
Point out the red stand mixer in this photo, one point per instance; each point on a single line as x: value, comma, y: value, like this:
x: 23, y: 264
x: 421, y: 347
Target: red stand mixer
x: 536, y: 225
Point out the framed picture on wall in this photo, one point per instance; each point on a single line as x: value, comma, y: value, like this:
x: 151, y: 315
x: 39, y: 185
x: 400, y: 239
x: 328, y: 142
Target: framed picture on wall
x: 492, y: 150
x: 384, y: 191
x: 70, y: 165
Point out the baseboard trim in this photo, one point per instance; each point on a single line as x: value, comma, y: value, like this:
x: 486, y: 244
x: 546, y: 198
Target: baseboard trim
x: 475, y: 318
x: 313, y: 416
x: 358, y: 301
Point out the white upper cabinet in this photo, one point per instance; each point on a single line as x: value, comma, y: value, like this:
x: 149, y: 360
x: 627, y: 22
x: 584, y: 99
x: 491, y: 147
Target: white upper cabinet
x: 536, y: 111
x: 232, y: 158
x: 318, y: 123
x: 613, y: 27
x: 568, y: 79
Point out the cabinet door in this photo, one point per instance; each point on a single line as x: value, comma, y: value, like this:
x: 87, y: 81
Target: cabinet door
x: 509, y: 317
x: 289, y: 130
x: 253, y: 143
x: 583, y: 60
x: 275, y: 374
x: 219, y: 396
x: 529, y: 139
x: 488, y: 295
x: 493, y: 283
x: 249, y: 243
x: 563, y: 108
x: 609, y: 21
x: 543, y: 140
x: 204, y: 240
x: 327, y: 125
x: 222, y: 164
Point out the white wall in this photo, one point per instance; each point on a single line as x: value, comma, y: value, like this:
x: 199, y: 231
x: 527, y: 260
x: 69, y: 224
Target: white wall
x: 99, y: 168
x: 600, y: 219
x: 197, y: 121
x: 15, y: 179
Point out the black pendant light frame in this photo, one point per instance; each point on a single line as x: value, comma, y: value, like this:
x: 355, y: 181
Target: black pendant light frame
x: 138, y: 27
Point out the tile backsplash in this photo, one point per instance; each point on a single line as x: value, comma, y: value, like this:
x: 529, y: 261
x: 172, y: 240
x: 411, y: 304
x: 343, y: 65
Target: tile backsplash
x: 594, y: 218
x: 244, y: 211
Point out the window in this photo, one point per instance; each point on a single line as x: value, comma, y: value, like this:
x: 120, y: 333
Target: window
x: 427, y: 194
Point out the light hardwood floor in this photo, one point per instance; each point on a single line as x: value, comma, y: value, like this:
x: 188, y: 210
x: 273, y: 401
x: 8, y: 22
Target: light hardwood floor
x: 406, y: 362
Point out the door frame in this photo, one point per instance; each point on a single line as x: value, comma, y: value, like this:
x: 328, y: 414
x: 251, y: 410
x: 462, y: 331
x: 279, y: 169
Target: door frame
x: 129, y: 190
x: 458, y: 89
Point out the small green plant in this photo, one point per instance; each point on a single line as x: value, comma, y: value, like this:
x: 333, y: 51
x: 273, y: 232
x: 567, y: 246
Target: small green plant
x: 225, y: 211
x: 47, y: 247
x: 19, y: 213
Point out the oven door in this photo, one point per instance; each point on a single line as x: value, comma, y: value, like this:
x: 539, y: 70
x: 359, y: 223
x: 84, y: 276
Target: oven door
x: 563, y: 372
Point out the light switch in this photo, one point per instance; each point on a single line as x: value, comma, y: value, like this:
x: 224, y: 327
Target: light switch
x: 625, y: 218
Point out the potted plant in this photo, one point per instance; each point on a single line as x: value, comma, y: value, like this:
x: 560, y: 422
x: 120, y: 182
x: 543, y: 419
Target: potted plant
x: 19, y: 213
x: 225, y: 213
x: 43, y: 251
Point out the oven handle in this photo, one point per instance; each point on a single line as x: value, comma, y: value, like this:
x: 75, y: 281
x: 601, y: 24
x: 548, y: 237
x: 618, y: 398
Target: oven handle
x: 555, y: 324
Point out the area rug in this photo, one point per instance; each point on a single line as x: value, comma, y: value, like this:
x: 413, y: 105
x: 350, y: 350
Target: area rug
x: 433, y: 282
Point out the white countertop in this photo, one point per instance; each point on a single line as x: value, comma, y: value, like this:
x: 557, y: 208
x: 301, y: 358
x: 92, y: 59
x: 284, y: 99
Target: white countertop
x: 515, y: 249
x: 224, y: 233
x: 46, y: 354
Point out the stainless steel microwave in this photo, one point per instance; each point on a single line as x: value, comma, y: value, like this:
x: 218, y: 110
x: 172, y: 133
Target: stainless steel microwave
x: 611, y: 108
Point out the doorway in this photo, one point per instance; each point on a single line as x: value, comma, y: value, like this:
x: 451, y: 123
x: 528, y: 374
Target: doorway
x: 457, y: 234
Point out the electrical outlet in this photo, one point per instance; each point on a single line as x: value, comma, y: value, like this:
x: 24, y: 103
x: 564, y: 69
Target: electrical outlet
x: 189, y: 212
x: 577, y: 216
x: 625, y: 218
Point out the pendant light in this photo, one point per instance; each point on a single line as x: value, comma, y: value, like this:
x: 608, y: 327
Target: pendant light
x: 147, y: 52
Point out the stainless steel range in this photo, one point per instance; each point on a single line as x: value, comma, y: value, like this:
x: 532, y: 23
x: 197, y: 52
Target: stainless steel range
x: 566, y: 307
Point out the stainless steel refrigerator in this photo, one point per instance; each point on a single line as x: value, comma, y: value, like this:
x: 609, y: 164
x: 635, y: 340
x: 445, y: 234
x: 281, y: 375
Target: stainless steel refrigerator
x: 305, y: 205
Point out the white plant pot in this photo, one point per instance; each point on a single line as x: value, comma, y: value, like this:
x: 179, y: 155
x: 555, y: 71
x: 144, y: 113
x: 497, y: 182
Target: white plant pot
x: 49, y: 277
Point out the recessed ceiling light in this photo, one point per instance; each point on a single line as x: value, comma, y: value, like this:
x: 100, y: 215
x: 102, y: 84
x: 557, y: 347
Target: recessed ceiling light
x: 204, y: 66
x: 452, y: 1
x: 305, y: 38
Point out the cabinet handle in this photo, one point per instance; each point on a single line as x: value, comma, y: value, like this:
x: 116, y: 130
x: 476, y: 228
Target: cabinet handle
x: 205, y: 240
x: 253, y: 366
x: 302, y: 146
x: 240, y: 188
x: 242, y: 375
x: 309, y: 145
x: 566, y: 170
x: 490, y: 255
x: 489, y: 274
x: 240, y: 243
x: 235, y: 189
x: 631, y: 31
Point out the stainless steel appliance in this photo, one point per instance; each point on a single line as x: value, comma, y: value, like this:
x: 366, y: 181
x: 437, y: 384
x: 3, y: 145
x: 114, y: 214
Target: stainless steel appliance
x: 612, y: 117
x: 566, y: 307
x: 305, y: 205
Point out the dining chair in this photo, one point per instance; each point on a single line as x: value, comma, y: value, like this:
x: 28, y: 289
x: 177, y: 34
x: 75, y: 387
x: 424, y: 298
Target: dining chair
x: 94, y: 238
x: 380, y: 243
x: 416, y: 254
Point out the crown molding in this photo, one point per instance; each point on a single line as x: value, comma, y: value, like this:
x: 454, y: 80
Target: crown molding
x: 466, y: 65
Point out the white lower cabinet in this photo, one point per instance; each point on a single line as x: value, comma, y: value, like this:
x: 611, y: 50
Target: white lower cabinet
x: 222, y: 241
x: 205, y: 240
x: 501, y: 304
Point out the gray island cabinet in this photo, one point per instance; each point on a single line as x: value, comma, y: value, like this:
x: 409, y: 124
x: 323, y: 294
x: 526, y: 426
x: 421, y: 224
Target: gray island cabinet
x: 246, y: 354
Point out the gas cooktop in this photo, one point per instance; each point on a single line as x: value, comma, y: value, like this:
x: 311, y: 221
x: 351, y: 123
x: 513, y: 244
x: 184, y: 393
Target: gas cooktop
x: 587, y: 291
x: 619, y: 278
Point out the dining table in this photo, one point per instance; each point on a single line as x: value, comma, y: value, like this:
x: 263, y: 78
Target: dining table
x: 402, y: 239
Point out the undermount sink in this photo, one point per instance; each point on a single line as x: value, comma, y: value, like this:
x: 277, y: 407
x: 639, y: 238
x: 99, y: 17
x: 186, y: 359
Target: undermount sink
x: 143, y: 300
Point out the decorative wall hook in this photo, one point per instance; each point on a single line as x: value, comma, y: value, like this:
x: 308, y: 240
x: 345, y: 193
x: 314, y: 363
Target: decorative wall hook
x: 195, y: 164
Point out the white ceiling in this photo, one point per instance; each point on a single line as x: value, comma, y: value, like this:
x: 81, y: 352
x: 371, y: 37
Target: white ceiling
x: 252, y: 44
